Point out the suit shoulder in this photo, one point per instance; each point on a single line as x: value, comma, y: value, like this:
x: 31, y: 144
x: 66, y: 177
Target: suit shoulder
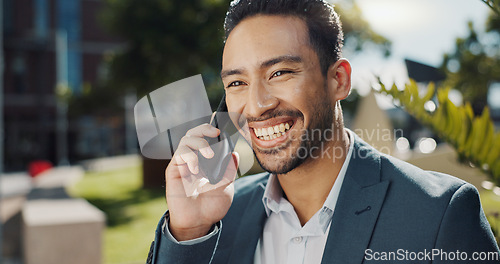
x: 410, y: 177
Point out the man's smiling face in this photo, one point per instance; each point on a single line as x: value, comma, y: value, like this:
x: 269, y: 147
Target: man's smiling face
x: 273, y: 77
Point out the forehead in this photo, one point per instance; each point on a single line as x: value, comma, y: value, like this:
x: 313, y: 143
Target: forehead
x: 262, y: 37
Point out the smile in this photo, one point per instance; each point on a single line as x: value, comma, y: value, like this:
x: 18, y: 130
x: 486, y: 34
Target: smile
x: 272, y: 132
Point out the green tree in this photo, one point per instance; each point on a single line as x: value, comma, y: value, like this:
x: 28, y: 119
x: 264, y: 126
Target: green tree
x: 166, y: 41
x: 358, y: 33
x: 493, y: 4
x: 475, y: 64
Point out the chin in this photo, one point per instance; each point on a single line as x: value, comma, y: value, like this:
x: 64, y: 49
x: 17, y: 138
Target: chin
x: 274, y: 164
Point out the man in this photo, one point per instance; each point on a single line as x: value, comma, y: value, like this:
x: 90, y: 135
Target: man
x: 327, y: 197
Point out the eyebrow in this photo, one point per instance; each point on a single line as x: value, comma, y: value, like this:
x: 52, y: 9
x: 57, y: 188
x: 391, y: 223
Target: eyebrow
x: 224, y: 74
x: 280, y: 59
x: 265, y: 64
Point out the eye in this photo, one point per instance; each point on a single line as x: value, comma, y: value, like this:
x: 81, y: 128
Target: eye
x: 235, y: 83
x: 280, y: 73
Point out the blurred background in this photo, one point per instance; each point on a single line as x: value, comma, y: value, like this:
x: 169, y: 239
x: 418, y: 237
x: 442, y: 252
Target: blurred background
x: 73, y: 184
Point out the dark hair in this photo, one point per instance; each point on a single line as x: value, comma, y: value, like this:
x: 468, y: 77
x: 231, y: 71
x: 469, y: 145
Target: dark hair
x: 323, y: 23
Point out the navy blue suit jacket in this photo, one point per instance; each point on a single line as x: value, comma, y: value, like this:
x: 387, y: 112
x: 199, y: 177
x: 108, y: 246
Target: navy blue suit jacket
x: 385, y: 205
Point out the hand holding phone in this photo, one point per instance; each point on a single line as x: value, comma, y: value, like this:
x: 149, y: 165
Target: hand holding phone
x: 172, y: 122
x: 192, y: 216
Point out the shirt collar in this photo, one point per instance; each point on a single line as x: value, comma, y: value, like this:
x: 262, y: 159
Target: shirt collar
x: 273, y: 192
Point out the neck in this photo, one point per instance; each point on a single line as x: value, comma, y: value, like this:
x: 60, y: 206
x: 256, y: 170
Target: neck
x: 307, y: 186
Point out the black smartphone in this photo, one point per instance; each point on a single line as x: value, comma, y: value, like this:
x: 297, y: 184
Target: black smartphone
x: 222, y: 145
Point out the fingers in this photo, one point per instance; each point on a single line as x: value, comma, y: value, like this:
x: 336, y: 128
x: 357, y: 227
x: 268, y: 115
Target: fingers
x: 203, y: 130
x: 196, y: 143
x: 185, y: 155
x: 193, y: 141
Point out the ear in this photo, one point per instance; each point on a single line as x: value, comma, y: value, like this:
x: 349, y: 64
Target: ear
x: 339, y: 79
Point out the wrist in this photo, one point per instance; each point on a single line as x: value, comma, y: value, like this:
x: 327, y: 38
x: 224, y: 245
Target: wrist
x: 184, y: 234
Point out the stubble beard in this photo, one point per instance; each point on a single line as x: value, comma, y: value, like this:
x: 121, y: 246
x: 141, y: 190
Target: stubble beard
x: 276, y: 162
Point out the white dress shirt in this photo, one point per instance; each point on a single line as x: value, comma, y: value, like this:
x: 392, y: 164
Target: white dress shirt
x: 283, y: 239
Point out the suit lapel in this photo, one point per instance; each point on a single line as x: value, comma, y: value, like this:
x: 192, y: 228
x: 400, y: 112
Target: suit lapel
x: 250, y: 229
x: 358, y: 207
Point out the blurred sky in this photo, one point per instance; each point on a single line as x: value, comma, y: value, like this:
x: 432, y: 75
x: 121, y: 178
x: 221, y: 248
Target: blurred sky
x: 421, y: 30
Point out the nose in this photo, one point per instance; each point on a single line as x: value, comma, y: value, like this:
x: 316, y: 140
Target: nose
x: 260, y: 100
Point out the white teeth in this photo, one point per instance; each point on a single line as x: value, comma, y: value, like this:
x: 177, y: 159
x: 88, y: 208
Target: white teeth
x: 270, y: 131
x: 273, y: 132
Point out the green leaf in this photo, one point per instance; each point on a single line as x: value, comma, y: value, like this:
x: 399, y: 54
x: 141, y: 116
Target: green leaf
x: 454, y: 119
x: 488, y: 137
x: 431, y: 90
x: 496, y: 172
x: 479, y: 139
x: 494, y: 153
x: 465, y: 132
x: 473, y: 137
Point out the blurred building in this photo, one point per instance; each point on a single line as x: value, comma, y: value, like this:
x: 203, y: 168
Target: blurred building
x: 30, y: 29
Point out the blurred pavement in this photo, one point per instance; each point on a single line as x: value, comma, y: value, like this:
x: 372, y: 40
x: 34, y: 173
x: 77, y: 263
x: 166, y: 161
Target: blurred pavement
x: 17, y: 188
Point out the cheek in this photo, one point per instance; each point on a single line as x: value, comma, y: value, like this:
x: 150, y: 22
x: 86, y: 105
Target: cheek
x: 301, y: 95
x: 234, y: 103
x: 307, y: 97
x: 235, y: 106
